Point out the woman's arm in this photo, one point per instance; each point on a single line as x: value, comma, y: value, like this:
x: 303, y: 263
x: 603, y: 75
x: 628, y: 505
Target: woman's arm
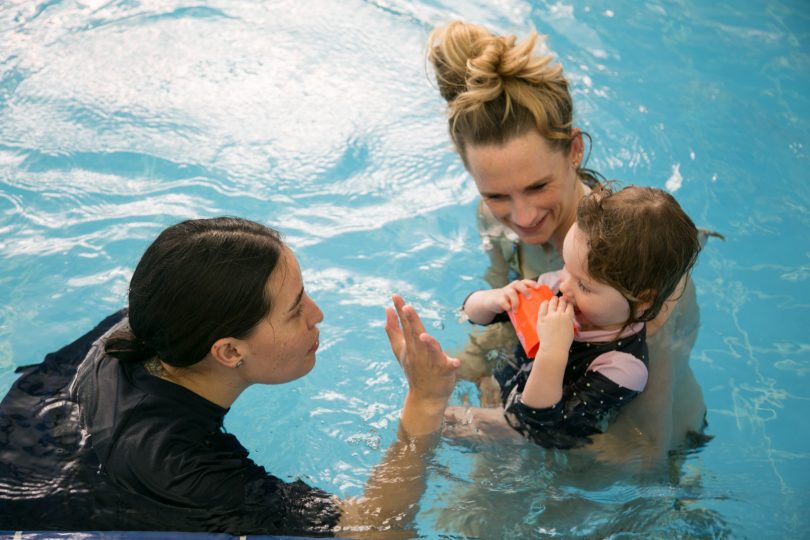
x: 390, y: 498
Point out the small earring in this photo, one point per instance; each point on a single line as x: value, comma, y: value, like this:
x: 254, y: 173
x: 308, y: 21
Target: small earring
x: 240, y: 363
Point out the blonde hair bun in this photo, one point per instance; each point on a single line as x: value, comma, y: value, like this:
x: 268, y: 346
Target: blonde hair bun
x: 485, y: 77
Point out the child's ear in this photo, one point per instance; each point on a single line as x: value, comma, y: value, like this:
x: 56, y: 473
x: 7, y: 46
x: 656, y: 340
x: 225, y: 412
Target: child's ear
x: 645, y: 300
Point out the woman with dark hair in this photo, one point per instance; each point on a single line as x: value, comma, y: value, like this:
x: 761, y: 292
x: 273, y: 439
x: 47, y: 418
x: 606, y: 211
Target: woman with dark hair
x: 122, y: 429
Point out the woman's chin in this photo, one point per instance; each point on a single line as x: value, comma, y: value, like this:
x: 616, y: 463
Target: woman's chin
x: 539, y: 234
x: 533, y: 236
x: 536, y: 241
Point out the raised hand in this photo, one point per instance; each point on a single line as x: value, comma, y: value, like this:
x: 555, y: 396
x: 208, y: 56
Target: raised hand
x: 430, y: 372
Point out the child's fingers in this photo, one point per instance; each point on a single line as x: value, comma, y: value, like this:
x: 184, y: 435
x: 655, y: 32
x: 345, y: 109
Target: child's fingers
x: 520, y: 287
x: 525, y: 286
x: 543, y: 310
x: 512, y: 298
x: 569, y: 310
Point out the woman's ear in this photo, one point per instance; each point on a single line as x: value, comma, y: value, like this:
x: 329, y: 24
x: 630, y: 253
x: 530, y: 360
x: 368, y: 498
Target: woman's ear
x: 577, y: 147
x: 227, y: 351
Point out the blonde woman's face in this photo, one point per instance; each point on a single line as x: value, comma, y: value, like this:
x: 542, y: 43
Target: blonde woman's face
x: 528, y: 187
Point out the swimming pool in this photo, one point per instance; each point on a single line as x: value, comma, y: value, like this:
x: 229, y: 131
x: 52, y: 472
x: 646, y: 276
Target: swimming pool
x: 118, y: 118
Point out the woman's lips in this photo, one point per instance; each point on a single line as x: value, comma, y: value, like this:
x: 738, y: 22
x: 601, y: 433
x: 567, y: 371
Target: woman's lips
x: 315, y: 346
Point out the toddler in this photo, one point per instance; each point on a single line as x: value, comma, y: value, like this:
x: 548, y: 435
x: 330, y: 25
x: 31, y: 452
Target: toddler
x: 627, y: 253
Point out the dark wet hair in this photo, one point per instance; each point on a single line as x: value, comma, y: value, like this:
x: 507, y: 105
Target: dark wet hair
x: 640, y: 242
x: 199, y: 281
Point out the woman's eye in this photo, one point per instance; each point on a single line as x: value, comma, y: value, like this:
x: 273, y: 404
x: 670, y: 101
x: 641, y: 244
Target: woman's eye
x: 538, y: 187
x: 298, y: 310
x: 582, y: 287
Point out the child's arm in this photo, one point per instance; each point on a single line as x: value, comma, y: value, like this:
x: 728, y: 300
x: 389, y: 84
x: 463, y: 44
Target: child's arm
x: 555, y: 328
x: 482, y: 306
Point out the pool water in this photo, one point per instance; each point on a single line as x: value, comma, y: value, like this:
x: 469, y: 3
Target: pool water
x: 120, y: 117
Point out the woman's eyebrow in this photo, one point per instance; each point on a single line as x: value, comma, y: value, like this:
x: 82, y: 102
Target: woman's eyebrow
x: 535, y: 184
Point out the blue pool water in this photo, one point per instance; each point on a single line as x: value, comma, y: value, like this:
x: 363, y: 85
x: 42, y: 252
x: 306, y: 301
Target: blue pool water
x: 120, y: 117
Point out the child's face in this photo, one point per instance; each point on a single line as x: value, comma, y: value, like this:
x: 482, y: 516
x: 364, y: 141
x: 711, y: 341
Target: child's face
x: 597, y: 306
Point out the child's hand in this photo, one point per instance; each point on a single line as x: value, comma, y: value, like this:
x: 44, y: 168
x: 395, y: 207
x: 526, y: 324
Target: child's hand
x: 555, y: 327
x: 507, y: 298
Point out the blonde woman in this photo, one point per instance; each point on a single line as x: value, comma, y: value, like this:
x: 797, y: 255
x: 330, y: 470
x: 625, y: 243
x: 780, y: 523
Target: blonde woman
x: 511, y: 119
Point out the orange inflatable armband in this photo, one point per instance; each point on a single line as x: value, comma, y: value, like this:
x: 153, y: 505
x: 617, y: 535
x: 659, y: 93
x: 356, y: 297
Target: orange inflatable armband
x: 524, y: 319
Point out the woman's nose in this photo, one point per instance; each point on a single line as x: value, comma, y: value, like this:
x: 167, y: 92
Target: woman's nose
x: 317, y: 315
x: 523, y: 213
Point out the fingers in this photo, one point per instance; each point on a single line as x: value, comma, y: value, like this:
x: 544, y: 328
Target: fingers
x: 557, y: 304
x: 435, y: 347
x: 569, y: 310
x: 430, y: 341
x: 412, y: 327
x: 411, y: 323
x: 406, y: 341
x: 414, y: 321
x: 524, y: 286
x: 394, y: 333
x: 392, y: 323
x: 514, y: 290
x: 510, y: 300
x: 528, y: 286
x: 399, y: 303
